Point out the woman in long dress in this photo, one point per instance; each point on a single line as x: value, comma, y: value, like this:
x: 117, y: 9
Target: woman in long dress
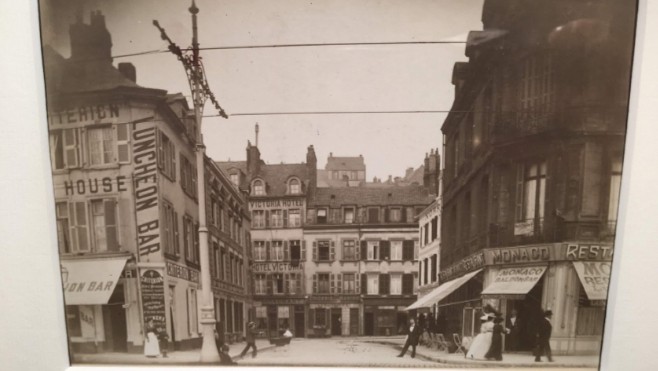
x: 482, y: 342
x: 496, y: 350
x: 151, y: 342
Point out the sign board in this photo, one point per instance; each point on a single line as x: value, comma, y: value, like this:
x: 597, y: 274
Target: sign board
x: 261, y: 312
x: 145, y: 178
x: 526, y: 254
x: 526, y: 228
x: 595, y: 277
x: 277, y: 267
x: 468, y: 264
x: 179, y: 271
x: 515, y: 281
x: 283, y: 312
x: 151, y: 282
x: 277, y: 204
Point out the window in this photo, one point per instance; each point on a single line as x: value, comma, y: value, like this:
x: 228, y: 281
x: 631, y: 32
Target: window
x: 189, y: 240
x: 276, y: 218
x: 373, y: 284
x: 384, y: 284
x: 235, y: 179
x: 259, y: 251
x: 531, y: 193
x: 170, y: 229
x: 435, y: 228
x: 102, y: 146
x: 395, y: 214
x: 294, y: 218
x: 192, y: 324
x: 324, y: 251
x: 349, y: 250
x: 258, y: 219
x: 396, y: 284
x: 590, y: 316
x: 322, y: 216
x: 73, y: 320
x: 295, y: 251
x: 294, y: 187
x: 408, y: 250
x: 373, y: 250
x: 260, y: 285
x: 102, y: 225
x: 276, y: 252
x: 434, y: 267
x: 65, y: 149
x: 323, y: 283
x: 258, y: 188
x: 187, y: 176
x: 396, y: 250
x: 166, y: 156
x: 348, y: 215
x: 536, y: 87
x: 63, y: 232
x: 277, y: 284
x: 320, y: 317
x: 373, y: 215
x: 615, y: 187
x: 424, y: 265
x: 216, y: 263
x: 349, y: 283
x: 294, y: 283
x: 225, y: 263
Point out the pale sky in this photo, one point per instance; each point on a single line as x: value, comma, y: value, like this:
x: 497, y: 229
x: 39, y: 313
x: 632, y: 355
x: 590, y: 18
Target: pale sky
x: 335, y: 78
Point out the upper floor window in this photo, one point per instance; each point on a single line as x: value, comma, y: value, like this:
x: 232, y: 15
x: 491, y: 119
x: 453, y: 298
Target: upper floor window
x: 395, y: 214
x: 531, y: 192
x: 170, y: 229
x: 259, y: 251
x: 259, y: 188
x: 536, y: 86
x: 87, y: 226
x: 101, y: 146
x: 166, y: 156
x: 373, y: 250
x: 324, y: 251
x: 188, y: 176
x: 294, y: 218
x: 349, y: 250
x: 373, y: 284
x: 294, y: 187
x: 396, y: 250
x: 373, y: 215
x: 276, y: 218
x: 396, y: 284
x: 323, y: 283
x: 615, y: 188
x: 349, y: 283
x: 65, y: 149
x: 348, y: 215
x: 235, y: 179
x: 276, y: 253
x: 260, y: 284
x: 322, y: 216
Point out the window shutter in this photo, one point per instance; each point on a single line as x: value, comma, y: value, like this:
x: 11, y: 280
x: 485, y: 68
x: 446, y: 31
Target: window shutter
x: 339, y: 283
x: 315, y: 283
x: 172, y: 155
x: 415, y: 244
x: 270, y: 284
x: 385, y: 250
x: 286, y: 251
x: 357, y: 250
x: 176, y: 235
x: 332, y: 250
x: 332, y: 283
x: 267, y: 218
x: 357, y: 285
x: 267, y: 250
x: 71, y: 148
x: 315, y: 251
x: 161, y: 152
x: 407, y: 250
x: 285, y: 218
x: 364, y: 250
x: 364, y: 283
x: 403, y: 215
x: 123, y: 148
x: 384, y: 284
x: 111, y: 225
x: 386, y: 215
x: 519, y: 192
x: 303, y: 250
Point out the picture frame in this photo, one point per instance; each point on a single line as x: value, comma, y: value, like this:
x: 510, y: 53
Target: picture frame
x: 43, y: 324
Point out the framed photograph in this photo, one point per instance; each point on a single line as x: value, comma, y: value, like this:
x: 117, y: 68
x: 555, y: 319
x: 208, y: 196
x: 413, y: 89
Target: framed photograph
x: 424, y: 183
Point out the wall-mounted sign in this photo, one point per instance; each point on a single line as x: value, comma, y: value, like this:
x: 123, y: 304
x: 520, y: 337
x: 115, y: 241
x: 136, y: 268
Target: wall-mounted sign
x: 526, y: 228
x: 151, y: 282
x: 595, y: 277
x: 179, y: 271
x: 145, y: 177
x: 511, y: 255
x: 468, y: 264
x: 95, y: 185
x: 283, y: 312
x: 82, y: 115
x: 588, y: 252
x: 276, y: 204
x: 277, y: 267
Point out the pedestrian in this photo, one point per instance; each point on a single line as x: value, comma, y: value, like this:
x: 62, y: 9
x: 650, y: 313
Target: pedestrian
x: 496, y: 349
x: 513, y: 324
x: 224, y: 357
x: 482, y: 342
x: 543, y: 338
x: 412, y: 339
x: 251, y: 341
x: 151, y: 342
x: 163, y: 339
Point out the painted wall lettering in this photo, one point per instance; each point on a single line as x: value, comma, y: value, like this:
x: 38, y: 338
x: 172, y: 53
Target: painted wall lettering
x: 84, y: 114
x: 145, y: 178
x: 96, y: 185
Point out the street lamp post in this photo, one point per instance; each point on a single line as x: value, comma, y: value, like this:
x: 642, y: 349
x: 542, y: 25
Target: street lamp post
x: 200, y: 94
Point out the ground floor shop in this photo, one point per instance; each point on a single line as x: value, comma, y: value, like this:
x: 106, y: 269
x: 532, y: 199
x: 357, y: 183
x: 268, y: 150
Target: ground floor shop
x: 570, y: 279
x: 232, y: 312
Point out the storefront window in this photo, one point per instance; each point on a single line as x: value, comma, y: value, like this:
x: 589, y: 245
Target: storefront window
x: 590, y: 315
x: 73, y: 320
x: 320, y: 317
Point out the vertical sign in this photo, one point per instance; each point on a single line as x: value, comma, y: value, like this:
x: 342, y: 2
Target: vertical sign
x: 153, y: 297
x: 145, y: 178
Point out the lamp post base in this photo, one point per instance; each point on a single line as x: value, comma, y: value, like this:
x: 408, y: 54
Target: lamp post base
x: 209, y: 352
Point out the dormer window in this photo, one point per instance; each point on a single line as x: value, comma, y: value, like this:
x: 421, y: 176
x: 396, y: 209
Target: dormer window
x: 235, y: 179
x: 294, y: 187
x: 258, y: 188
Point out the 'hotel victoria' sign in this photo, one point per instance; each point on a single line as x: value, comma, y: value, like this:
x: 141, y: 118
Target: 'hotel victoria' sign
x: 276, y: 267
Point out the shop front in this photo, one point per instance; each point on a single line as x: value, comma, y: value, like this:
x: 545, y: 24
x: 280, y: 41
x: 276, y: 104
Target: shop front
x: 273, y: 316
x: 334, y: 315
x: 386, y: 316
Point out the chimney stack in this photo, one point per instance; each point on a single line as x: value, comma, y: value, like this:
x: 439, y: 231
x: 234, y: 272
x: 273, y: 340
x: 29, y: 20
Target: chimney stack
x: 91, y: 42
x: 128, y: 70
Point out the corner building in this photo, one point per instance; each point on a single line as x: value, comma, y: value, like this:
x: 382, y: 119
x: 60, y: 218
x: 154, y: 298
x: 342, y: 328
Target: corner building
x: 533, y: 153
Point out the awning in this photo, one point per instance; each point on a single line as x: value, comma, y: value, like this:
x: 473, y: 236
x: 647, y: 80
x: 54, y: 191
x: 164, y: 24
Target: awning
x: 91, y: 281
x: 595, y: 277
x: 442, y: 291
x: 514, y: 282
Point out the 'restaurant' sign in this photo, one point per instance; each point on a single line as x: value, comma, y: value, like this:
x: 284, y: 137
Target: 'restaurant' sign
x: 145, y: 177
x: 468, y: 264
x: 277, y: 267
x: 153, y: 297
x: 595, y: 277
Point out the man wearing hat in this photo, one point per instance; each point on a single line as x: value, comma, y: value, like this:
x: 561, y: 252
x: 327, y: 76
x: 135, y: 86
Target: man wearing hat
x: 544, y: 337
x: 251, y: 340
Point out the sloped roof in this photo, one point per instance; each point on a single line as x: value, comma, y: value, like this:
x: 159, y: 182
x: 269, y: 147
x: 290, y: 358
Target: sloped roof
x: 345, y: 163
x: 363, y: 196
x: 276, y: 176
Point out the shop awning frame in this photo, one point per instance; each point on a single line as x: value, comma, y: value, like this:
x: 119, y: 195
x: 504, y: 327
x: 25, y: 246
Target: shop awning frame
x: 91, y: 281
x: 442, y: 291
x: 595, y: 278
x: 514, y: 282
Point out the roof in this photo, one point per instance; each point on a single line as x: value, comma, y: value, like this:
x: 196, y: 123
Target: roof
x: 345, y: 163
x: 363, y: 196
x: 275, y: 176
x: 416, y: 175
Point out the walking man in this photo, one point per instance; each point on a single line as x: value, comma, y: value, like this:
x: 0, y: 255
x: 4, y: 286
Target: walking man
x: 543, y: 338
x: 251, y: 341
x: 412, y: 339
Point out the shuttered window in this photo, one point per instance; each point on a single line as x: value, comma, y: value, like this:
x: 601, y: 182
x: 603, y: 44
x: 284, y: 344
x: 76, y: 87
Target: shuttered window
x: 407, y: 284
x: 408, y: 250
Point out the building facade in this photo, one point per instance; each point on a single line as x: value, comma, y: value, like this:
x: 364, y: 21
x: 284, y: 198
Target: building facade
x: 533, y: 152
x: 124, y: 176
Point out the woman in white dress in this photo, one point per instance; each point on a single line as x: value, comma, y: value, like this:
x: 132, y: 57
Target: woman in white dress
x: 151, y: 342
x: 482, y: 342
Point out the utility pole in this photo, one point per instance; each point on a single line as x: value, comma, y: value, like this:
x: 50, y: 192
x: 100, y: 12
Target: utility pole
x: 200, y: 94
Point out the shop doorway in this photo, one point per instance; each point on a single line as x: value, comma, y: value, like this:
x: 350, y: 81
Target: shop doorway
x: 114, y: 321
x: 300, y: 321
x: 272, y: 320
x: 530, y: 313
x: 354, y: 321
x: 369, y: 324
x: 336, y: 322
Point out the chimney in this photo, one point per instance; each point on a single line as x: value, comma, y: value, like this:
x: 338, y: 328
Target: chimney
x: 128, y: 70
x: 91, y: 42
x: 432, y: 171
x: 311, y: 169
x: 256, y: 134
x: 253, y: 159
x: 410, y: 170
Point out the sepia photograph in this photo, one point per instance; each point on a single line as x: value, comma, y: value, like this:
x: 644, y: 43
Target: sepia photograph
x: 371, y: 183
